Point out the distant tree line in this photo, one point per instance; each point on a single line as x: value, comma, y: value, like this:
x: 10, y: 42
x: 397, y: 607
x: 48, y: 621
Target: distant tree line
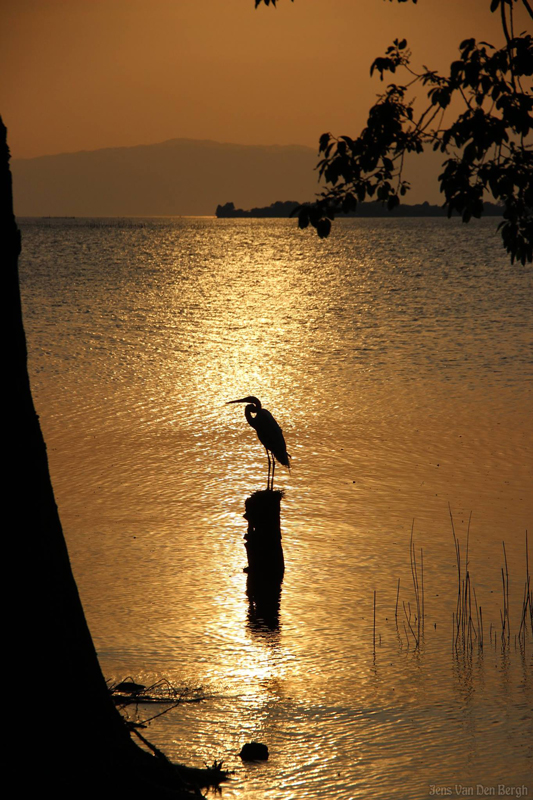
x: 290, y: 208
x: 281, y: 208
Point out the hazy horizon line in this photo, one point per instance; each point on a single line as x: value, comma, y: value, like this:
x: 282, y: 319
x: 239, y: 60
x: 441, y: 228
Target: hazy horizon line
x: 166, y: 142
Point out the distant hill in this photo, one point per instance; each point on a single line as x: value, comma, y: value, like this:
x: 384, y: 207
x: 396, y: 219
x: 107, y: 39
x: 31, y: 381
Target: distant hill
x: 285, y: 208
x: 184, y: 177
x: 178, y: 177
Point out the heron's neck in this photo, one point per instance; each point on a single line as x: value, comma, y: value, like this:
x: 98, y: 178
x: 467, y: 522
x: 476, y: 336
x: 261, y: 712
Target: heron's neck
x: 250, y: 412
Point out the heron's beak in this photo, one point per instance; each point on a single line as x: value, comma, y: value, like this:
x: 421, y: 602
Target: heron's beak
x: 242, y: 400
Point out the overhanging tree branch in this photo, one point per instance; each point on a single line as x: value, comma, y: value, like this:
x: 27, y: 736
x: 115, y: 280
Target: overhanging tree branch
x: 486, y: 144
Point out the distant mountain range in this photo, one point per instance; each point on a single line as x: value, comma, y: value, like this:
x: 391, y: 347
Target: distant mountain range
x: 185, y: 177
x: 178, y: 177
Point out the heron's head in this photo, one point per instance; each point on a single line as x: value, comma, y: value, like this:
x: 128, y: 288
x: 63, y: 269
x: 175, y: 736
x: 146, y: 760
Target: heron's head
x: 250, y: 399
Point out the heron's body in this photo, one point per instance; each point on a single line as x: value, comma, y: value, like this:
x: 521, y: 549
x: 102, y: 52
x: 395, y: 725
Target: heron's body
x: 268, y: 432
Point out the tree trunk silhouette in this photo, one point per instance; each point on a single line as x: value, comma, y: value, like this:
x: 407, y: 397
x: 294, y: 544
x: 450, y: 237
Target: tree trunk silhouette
x: 67, y: 736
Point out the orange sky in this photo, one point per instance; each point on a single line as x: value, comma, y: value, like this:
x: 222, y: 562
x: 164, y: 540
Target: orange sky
x: 86, y: 74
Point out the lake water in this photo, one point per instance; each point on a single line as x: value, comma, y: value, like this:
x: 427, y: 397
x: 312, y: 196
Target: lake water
x: 397, y: 356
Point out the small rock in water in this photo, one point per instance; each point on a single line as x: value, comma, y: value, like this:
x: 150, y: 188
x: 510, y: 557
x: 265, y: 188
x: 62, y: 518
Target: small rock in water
x: 254, y: 751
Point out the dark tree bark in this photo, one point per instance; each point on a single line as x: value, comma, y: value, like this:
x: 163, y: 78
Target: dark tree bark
x: 67, y: 736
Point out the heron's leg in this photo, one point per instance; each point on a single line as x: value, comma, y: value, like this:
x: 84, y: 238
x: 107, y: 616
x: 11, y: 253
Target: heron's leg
x: 268, y: 476
x: 273, y: 466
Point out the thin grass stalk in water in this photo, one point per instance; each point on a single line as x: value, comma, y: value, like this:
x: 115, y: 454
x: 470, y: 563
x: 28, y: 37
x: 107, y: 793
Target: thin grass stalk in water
x: 408, y: 618
x: 529, y: 589
x: 479, y: 617
x: 506, y: 597
x: 504, y: 614
x: 397, y: 600
x: 416, y: 587
x: 468, y: 624
x: 374, y: 626
x: 458, y: 564
x: 422, y: 617
x: 527, y: 601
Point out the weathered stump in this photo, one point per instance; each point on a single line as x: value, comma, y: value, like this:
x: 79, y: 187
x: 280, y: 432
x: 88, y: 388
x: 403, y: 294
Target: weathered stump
x: 263, y: 538
x: 266, y: 564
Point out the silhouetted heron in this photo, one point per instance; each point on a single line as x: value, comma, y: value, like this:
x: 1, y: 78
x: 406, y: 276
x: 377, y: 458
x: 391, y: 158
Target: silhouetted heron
x: 269, y: 433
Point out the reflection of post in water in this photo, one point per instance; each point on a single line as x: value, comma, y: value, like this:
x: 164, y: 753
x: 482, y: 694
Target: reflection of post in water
x: 266, y: 565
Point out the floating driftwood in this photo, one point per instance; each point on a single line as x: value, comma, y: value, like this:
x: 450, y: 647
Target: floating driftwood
x: 188, y: 779
x: 128, y: 692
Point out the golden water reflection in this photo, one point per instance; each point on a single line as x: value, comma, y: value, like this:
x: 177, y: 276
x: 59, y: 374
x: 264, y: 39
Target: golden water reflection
x: 399, y: 368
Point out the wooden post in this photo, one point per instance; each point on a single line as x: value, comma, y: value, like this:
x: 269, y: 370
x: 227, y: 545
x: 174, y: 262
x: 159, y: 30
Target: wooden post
x: 263, y: 538
x: 266, y: 564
